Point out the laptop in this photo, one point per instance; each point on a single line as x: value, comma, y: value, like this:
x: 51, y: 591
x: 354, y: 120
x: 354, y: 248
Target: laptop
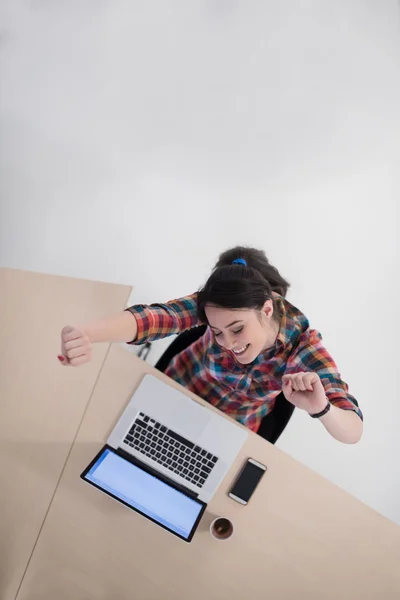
x: 166, y: 456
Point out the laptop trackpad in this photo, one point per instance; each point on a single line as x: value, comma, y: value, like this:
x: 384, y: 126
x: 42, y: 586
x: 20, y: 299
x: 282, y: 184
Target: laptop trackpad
x: 191, y: 418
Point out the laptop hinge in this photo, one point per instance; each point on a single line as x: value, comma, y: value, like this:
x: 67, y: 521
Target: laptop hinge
x: 134, y: 460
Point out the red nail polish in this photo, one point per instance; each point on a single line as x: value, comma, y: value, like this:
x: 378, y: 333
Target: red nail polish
x: 60, y: 358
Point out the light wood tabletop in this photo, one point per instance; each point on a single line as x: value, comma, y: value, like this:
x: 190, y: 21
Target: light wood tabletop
x: 299, y: 537
x: 41, y: 402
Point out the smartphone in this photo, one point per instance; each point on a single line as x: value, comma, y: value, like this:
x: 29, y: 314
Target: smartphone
x: 247, y: 481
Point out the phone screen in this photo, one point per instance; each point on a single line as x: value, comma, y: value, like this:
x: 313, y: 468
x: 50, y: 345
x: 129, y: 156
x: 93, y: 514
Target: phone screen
x: 247, y: 481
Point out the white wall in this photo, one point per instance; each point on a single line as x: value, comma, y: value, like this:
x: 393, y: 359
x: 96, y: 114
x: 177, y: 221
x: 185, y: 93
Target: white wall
x: 141, y: 139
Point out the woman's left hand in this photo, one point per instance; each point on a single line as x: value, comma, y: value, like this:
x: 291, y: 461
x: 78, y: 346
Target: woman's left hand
x: 305, y: 390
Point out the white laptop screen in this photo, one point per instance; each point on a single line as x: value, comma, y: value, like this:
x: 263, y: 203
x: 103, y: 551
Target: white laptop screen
x: 145, y: 493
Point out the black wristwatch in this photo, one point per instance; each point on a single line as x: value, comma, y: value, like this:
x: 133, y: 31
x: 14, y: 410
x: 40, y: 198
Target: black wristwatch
x: 322, y: 413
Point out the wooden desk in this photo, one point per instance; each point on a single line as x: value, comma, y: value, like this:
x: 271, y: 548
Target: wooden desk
x: 299, y: 538
x: 41, y: 403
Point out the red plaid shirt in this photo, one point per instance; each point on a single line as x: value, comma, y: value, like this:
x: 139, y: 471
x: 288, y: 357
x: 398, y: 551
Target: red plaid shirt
x: 245, y: 392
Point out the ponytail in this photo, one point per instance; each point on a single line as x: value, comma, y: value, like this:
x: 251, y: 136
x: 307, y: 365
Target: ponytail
x: 258, y: 261
x: 245, y: 283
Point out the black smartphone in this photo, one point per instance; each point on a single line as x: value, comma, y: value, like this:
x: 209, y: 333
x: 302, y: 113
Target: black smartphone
x: 247, y: 481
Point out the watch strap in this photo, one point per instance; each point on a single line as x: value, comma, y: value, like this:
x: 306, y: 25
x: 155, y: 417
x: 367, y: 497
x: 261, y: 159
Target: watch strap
x: 322, y: 413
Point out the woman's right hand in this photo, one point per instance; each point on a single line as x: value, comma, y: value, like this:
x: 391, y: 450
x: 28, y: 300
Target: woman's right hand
x: 76, y: 348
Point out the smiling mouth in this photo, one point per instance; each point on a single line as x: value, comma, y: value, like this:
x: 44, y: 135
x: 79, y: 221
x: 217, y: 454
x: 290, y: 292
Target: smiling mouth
x: 240, y: 351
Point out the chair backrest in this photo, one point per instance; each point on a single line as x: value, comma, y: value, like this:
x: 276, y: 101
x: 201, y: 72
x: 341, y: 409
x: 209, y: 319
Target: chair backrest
x: 272, y: 425
x: 182, y: 341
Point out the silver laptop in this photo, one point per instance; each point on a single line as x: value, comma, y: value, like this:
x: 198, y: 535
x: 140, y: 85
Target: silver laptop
x: 177, y: 437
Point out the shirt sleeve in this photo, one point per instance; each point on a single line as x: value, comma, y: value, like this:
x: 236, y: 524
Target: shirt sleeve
x: 157, y: 321
x: 311, y: 355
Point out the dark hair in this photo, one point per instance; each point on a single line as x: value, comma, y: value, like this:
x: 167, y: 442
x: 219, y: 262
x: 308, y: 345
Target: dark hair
x: 238, y: 286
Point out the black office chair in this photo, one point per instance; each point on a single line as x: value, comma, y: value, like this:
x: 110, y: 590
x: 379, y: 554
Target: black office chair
x: 272, y: 425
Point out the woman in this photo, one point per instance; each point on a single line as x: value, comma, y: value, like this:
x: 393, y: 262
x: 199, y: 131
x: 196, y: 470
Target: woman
x: 256, y: 345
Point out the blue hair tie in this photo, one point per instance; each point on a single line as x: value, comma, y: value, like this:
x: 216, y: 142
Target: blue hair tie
x: 239, y: 261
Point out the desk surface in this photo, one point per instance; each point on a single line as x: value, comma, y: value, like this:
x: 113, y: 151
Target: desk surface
x: 41, y: 403
x: 300, y: 537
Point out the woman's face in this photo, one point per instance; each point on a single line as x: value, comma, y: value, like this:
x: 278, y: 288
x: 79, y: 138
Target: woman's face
x: 243, y: 332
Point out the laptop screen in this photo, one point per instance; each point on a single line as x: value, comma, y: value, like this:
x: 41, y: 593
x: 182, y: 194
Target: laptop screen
x: 145, y: 493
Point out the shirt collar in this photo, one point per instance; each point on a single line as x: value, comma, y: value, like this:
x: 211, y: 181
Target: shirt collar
x: 292, y: 324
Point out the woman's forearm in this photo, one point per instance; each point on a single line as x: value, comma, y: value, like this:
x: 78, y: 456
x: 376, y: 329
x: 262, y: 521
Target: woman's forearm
x: 344, y: 425
x: 117, y: 328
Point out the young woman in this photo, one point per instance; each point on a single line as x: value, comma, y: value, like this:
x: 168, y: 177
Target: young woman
x: 256, y: 345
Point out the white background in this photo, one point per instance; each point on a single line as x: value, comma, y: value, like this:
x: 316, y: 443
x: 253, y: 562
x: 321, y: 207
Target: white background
x: 140, y: 139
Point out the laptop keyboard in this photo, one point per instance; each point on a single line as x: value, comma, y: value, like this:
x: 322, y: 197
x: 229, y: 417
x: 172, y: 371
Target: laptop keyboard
x: 171, y: 450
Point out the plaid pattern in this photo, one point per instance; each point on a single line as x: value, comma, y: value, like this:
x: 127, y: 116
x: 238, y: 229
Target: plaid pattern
x: 245, y: 392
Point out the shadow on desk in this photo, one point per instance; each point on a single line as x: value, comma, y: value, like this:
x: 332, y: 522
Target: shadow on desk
x: 38, y: 477
x: 26, y: 469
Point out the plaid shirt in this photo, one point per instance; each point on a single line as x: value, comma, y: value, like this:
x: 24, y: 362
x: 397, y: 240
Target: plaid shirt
x: 245, y: 392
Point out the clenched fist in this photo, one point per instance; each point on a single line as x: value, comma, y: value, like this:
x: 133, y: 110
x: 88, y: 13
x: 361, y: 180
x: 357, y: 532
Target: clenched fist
x: 76, y: 348
x: 305, y: 390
